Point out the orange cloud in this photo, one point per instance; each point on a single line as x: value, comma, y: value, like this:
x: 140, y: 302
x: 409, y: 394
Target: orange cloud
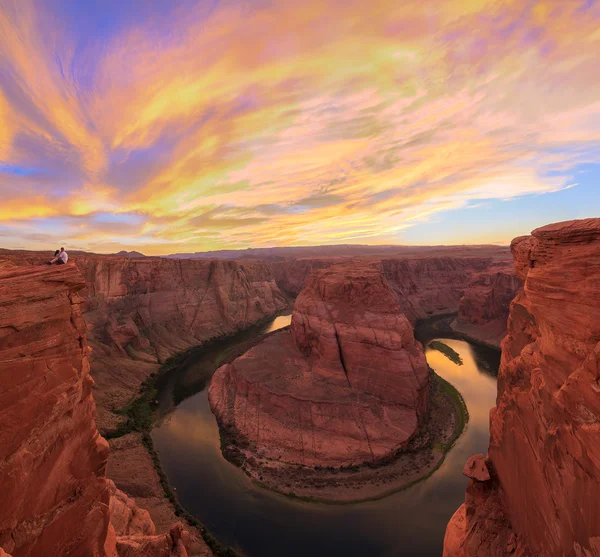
x: 296, y: 123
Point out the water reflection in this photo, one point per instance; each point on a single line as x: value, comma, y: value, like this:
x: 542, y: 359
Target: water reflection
x: 262, y: 524
x: 279, y: 323
x: 193, y: 375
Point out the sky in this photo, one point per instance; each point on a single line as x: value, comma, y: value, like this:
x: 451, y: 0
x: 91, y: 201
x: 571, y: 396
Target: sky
x: 174, y: 126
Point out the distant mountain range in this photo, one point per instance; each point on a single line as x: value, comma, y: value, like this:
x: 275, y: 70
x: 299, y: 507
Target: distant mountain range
x: 343, y: 250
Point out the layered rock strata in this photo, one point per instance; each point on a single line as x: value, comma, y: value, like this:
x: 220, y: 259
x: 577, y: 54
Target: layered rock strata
x: 54, y: 497
x: 479, y: 288
x: 544, y: 456
x: 347, y: 384
x: 484, y: 307
x: 426, y: 287
x: 141, y: 311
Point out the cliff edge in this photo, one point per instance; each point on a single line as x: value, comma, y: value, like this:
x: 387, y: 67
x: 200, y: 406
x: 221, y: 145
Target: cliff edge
x: 542, y: 494
x: 54, y: 497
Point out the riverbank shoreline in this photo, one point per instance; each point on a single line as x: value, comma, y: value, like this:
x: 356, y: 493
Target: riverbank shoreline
x: 167, y: 503
x: 133, y: 460
x: 425, y: 453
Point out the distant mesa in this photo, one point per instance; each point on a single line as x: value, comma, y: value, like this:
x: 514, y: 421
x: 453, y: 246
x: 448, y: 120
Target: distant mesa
x: 343, y: 250
x: 130, y: 254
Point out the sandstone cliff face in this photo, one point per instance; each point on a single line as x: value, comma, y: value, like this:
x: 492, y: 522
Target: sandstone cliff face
x: 544, y: 454
x: 347, y: 384
x: 54, y: 498
x: 424, y: 286
x: 148, y: 309
x: 484, y: 307
x: 431, y: 286
x: 54, y: 495
x: 292, y: 275
x: 141, y: 311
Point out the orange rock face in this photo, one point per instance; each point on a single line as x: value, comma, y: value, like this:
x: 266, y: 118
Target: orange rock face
x: 544, y: 454
x: 483, y: 310
x: 292, y: 275
x: 148, y: 309
x: 435, y: 273
x: 54, y: 497
x: 347, y: 384
x: 141, y: 311
x: 52, y: 481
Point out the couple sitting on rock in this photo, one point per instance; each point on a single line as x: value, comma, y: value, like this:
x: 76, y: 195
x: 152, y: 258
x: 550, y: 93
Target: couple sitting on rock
x: 60, y: 257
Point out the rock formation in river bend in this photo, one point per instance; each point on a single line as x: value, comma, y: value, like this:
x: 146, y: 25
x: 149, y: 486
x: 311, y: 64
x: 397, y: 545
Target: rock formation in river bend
x: 544, y: 455
x: 141, y: 311
x: 347, y: 384
x: 54, y: 497
x: 484, y: 307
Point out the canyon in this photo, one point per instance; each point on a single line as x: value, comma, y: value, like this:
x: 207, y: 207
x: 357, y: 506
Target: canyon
x: 140, y: 312
x: 118, y: 319
x: 536, y: 492
x: 477, y: 285
x: 347, y: 384
x: 484, y: 307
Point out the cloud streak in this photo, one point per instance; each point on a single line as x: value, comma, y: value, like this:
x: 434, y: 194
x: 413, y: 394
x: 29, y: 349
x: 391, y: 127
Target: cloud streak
x: 237, y: 124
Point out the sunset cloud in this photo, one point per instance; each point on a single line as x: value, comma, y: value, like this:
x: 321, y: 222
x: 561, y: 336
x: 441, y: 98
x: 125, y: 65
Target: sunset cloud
x: 207, y: 125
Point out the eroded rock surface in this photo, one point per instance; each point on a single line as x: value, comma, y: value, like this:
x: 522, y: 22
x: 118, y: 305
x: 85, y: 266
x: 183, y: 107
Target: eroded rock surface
x: 347, y: 384
x: 53, y: 491
x: 544, y: 454
x: 141, y: 311
x: 54, y: 497
x: 427, y: 280
x: 484, y: 307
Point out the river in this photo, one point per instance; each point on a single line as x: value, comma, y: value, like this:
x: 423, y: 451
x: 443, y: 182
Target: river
x: 259, y: 523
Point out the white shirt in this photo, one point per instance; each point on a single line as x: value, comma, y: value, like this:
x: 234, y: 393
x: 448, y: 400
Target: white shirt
x: 63, y: 256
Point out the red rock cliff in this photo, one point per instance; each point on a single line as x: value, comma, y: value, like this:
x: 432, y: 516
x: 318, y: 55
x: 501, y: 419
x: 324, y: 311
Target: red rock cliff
x: 53, y: 491
x: 431, y: 286
x: 484, y: 307
x: 544, y: 455
x: 150, y: 308
x: 141, y: 311
x: 55, y: 500
x: 347, y: 385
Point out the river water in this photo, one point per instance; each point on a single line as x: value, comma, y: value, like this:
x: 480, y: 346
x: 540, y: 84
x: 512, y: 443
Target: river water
x: 259, y: 523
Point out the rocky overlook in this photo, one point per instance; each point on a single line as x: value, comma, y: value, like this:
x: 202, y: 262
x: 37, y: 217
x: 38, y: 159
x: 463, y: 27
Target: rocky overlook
x: 544, y: 453
x: 139, y: 312
x: 56, y: 498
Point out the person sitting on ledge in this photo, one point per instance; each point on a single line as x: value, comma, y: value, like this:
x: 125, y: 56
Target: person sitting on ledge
x: 60, y: 258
